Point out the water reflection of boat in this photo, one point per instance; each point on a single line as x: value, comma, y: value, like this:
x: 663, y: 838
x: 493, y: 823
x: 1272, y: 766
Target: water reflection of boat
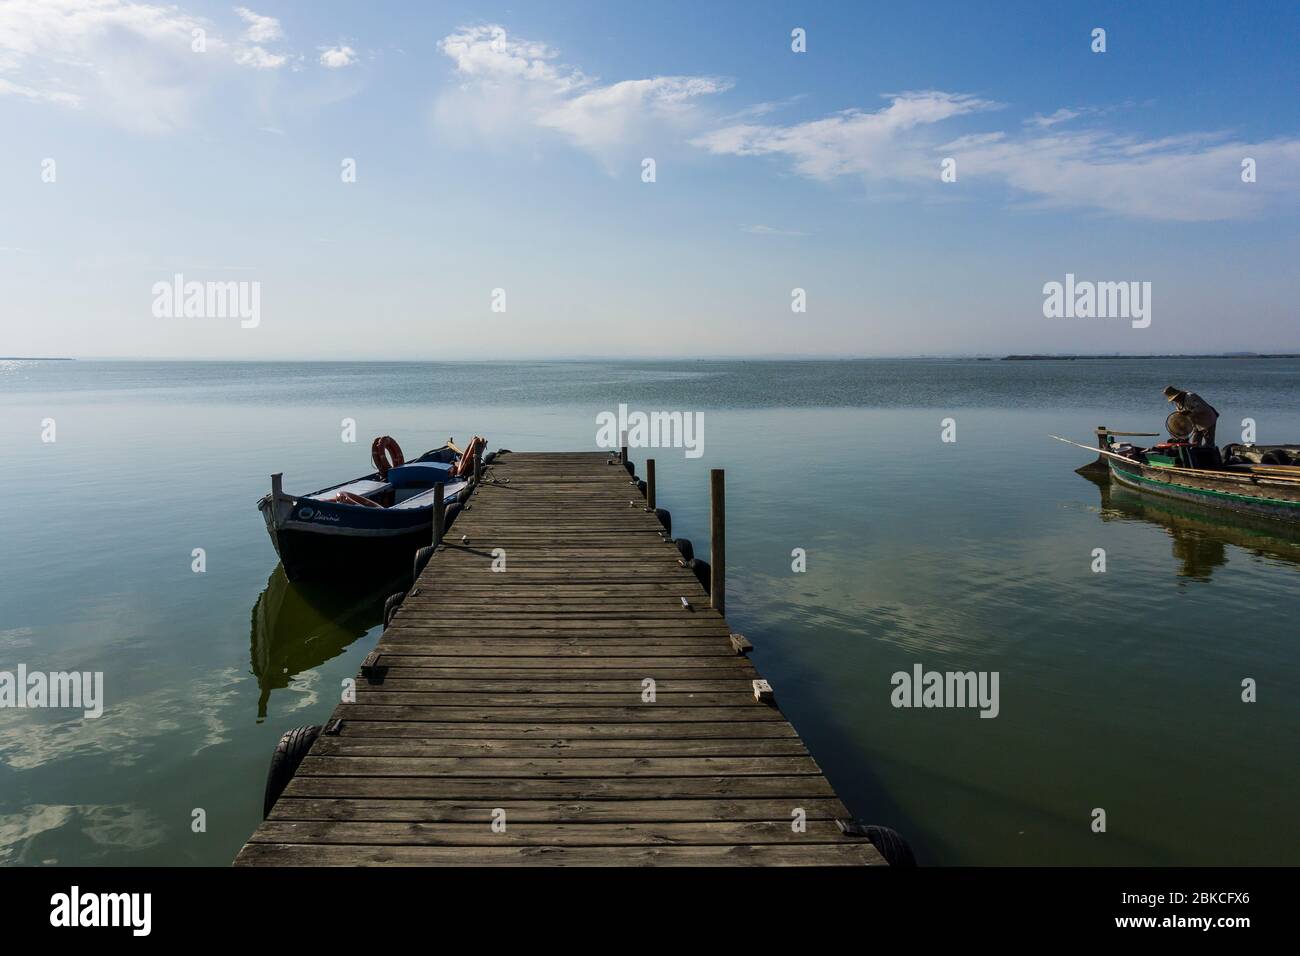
x: 297, y: 627
x: 1200, y: 534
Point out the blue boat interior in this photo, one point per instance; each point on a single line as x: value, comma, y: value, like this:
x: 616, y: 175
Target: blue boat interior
x: 408, y: 486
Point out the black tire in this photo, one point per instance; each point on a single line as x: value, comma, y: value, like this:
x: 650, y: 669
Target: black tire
x: 665, y: 519
x: 421, y: 559
x: 293, y: 746
x: 631, y: 468
x: 489, y: 458
x: 686, y: 548
x: 391, y: 605
x: 895, y: 850
x: 702, y: 573
x: 1275, y: 457
x: 640, y: 486
x: 450, y: 515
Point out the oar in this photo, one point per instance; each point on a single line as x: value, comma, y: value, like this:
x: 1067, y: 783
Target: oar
x: 1107, y: 431
x: 1254, y: 479
x: 1093, y: 448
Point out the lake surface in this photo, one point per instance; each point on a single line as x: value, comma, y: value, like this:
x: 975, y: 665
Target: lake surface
x: 1118, y: 690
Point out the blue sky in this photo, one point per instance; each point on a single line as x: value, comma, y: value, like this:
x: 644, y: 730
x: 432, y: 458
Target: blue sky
x: 501, y: 146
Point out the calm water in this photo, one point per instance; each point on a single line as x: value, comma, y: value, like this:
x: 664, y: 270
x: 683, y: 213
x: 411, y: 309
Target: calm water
x: 1118, y: 690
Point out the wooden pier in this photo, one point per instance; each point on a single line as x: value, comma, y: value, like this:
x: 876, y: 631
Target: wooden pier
x: 544, y: 695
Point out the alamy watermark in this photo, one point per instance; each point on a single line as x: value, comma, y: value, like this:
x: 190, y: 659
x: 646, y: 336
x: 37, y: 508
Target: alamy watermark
x: 651, y: 430
x: 179, y: 299
x: 75, y: 690
x: 922, y: 688
x: 75, y: 908
x: 1098, y: 300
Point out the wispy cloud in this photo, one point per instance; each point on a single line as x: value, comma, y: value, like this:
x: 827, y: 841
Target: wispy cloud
x: 511, y: 87
x: 1192, y: 177
x: 761, y: 230
x: 885, y: 144
x: 140, y: 65
x: 130, y: 61
x: 261, y: 29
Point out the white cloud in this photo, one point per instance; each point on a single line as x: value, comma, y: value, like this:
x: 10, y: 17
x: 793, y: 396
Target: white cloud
x: 259, y: 59
x: 337, y: 57
x: 511, y: 88
x: 134, y: 63
x: 883, y: 144
x: 1191, y: 177
x: 50, y: 96
x: 260, y: 29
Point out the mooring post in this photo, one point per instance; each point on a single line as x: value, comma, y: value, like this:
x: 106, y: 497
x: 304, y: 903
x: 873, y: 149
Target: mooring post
x: 439, y: 513
x: 718, y: 541
x: 276, y: 486
x: 649, y: 484
x: 1102, y: 431
x: 478, y: 465
x: 622, y: 447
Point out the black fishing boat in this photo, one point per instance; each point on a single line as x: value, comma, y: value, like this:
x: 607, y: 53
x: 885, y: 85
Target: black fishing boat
x: 368, y: 527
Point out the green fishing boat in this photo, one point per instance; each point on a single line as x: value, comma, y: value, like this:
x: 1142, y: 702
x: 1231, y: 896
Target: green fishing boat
x: 1262, y: 481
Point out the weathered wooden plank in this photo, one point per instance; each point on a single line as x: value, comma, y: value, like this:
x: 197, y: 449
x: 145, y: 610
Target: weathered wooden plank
x: 352, y: 746
x: 382, y: 693
x: 288, y: 854
x: 559, y: 788
x: 363, y: 723
x: 544, y: 811
x: 398, y: 679
x: 415, y: 643
x: 407, y: 766
x: 575, y: 676
x: 481, y: 833
x: 643, y: 713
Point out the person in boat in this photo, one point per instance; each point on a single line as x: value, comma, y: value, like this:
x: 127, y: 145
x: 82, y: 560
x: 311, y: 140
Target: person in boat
x: 1202, y: 415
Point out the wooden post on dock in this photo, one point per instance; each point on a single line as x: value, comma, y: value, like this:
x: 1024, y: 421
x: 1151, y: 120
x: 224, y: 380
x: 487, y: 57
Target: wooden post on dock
x: 439, y: 514
x: 276, y: 488
x: 478, y: 465
x: 717, y: 541
x: 622, y: 447
x: 649, y: 484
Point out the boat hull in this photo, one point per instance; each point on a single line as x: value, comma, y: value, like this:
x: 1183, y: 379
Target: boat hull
x: 309, y: 555
x: 1239, y: 493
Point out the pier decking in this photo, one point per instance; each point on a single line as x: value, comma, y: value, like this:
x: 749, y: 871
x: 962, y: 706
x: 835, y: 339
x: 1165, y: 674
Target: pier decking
x: 517, y: 697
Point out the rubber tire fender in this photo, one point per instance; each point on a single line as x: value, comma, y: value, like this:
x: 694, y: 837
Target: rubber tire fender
x: 391, y: 605
x: 891, y: 845
x: 686, y: 549
x: 666, y: 519
x: 293, y: 746
x: 702, y: 573
x: 421, y: 559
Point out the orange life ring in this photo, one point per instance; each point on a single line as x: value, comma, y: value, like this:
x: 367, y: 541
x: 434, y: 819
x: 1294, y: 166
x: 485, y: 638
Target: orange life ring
x: 465, y: 465
x: 386, y: 454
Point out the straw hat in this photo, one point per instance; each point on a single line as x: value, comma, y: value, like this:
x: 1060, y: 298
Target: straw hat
x: 1171, y: 393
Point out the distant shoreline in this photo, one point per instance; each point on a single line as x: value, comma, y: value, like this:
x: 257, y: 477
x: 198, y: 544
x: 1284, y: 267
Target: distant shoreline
x: 1034, y: 357
x: 1221, y: 355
